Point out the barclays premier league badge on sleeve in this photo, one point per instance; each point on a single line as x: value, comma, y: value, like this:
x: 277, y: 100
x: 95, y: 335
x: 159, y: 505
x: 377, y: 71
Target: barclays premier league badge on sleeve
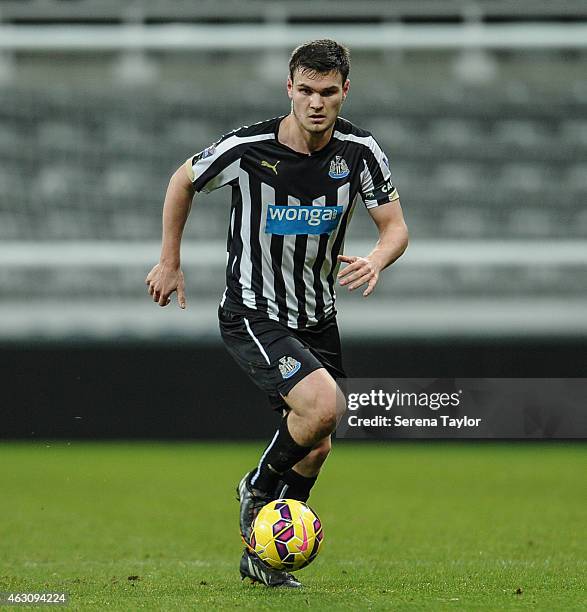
x: 207, y: 152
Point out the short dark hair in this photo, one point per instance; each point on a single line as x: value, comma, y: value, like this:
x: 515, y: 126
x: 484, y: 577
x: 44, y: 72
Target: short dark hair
x: 321, y: 56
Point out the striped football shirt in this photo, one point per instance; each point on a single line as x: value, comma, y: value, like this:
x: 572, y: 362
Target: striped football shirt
x: 289, y: 214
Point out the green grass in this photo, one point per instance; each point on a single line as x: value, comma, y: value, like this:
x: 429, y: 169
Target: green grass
x: 407, y: 527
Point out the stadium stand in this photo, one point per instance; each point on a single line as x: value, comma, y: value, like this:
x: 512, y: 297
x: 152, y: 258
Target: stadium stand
x: 99, y: 158
x: 85, y: 156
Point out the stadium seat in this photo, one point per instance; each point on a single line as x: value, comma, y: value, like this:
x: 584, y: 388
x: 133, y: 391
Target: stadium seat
x: 576, y: 179
x: 521, y: 134
x: 533, y: 222
x: 574, y: 132
x: 456, y: 133
x: 523, y: 178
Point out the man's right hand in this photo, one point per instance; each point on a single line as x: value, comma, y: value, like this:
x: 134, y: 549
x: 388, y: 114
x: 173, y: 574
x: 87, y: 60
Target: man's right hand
x: 162, y: 281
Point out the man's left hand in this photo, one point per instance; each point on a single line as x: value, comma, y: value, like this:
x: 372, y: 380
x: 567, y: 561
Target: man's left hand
x: 360, y: 270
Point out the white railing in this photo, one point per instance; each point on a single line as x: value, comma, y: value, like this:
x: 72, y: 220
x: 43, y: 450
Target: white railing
x: 386, y: 314
x: 271, y: 36
x: 212, y: 253
x: 233, y: 10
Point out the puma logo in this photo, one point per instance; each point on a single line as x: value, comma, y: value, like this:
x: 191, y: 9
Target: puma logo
x: 273, y: 167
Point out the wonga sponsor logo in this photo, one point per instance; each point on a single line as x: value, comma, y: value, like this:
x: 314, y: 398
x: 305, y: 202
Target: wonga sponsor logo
x: 286, y: 220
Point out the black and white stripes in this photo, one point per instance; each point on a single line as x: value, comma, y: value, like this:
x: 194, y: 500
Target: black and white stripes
x: 286, y: 268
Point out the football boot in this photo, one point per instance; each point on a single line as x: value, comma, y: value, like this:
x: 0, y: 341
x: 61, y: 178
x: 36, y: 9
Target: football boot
x: 251, y: 501
x: 252, y: 567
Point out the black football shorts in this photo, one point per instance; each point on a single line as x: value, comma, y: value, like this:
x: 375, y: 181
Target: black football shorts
x: 277, y: 357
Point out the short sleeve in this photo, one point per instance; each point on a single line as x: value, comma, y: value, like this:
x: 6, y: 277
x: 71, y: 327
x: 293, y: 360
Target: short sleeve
x: 376, y: 184
x: 215, y: 166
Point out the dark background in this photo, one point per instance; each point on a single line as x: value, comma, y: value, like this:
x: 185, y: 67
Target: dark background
x: 196, y: 391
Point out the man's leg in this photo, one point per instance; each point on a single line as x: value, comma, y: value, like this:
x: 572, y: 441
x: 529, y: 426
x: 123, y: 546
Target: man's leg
x: 305, y: 444
x: 281, y: 364
x: 297, y: 482
x: 314, y: 413
x: 310, y: 465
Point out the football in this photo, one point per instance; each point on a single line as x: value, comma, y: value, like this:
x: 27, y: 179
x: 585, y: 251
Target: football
x: 286, y: 535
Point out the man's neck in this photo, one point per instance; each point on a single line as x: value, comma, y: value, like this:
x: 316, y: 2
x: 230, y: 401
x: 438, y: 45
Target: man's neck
x: 295, y: 137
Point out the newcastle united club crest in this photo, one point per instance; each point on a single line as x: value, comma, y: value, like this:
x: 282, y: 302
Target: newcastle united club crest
x: 288, y: 366
x: 338, y: 168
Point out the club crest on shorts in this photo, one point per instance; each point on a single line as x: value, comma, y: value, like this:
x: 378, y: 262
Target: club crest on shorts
x: 338, y: 168
x: 288, y: 366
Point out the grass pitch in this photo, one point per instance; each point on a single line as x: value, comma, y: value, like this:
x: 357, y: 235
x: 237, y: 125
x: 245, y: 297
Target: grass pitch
x: 410, y: 526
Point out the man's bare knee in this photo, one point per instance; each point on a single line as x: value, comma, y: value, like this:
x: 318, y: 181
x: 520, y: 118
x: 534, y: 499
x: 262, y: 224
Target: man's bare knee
x: 313, y: 407
x: 322, y: 413
x: 325, y: 419
x: 316, y: 387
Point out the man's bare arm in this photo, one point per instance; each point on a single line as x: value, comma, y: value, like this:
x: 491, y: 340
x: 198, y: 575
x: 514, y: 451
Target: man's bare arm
x: 167, y: 277
x: 393, y: 241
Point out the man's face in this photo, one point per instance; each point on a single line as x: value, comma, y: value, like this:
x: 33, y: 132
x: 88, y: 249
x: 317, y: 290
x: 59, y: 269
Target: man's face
x: 316, y: 98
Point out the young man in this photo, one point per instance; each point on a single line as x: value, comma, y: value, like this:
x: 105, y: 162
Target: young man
x: 295, y: 180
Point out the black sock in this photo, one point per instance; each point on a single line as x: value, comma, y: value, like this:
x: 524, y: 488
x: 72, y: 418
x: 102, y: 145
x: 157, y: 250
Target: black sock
x: 282, y: 453
x: 295, y: 486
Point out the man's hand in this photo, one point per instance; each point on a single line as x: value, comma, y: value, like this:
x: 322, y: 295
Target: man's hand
x: 162, y: 281
x: 360, y: 270
x: 393, y: 240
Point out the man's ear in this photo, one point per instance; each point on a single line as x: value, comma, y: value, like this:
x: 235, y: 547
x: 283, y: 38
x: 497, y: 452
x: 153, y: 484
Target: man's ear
x: 345, y: 88
x: 289, y: 87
